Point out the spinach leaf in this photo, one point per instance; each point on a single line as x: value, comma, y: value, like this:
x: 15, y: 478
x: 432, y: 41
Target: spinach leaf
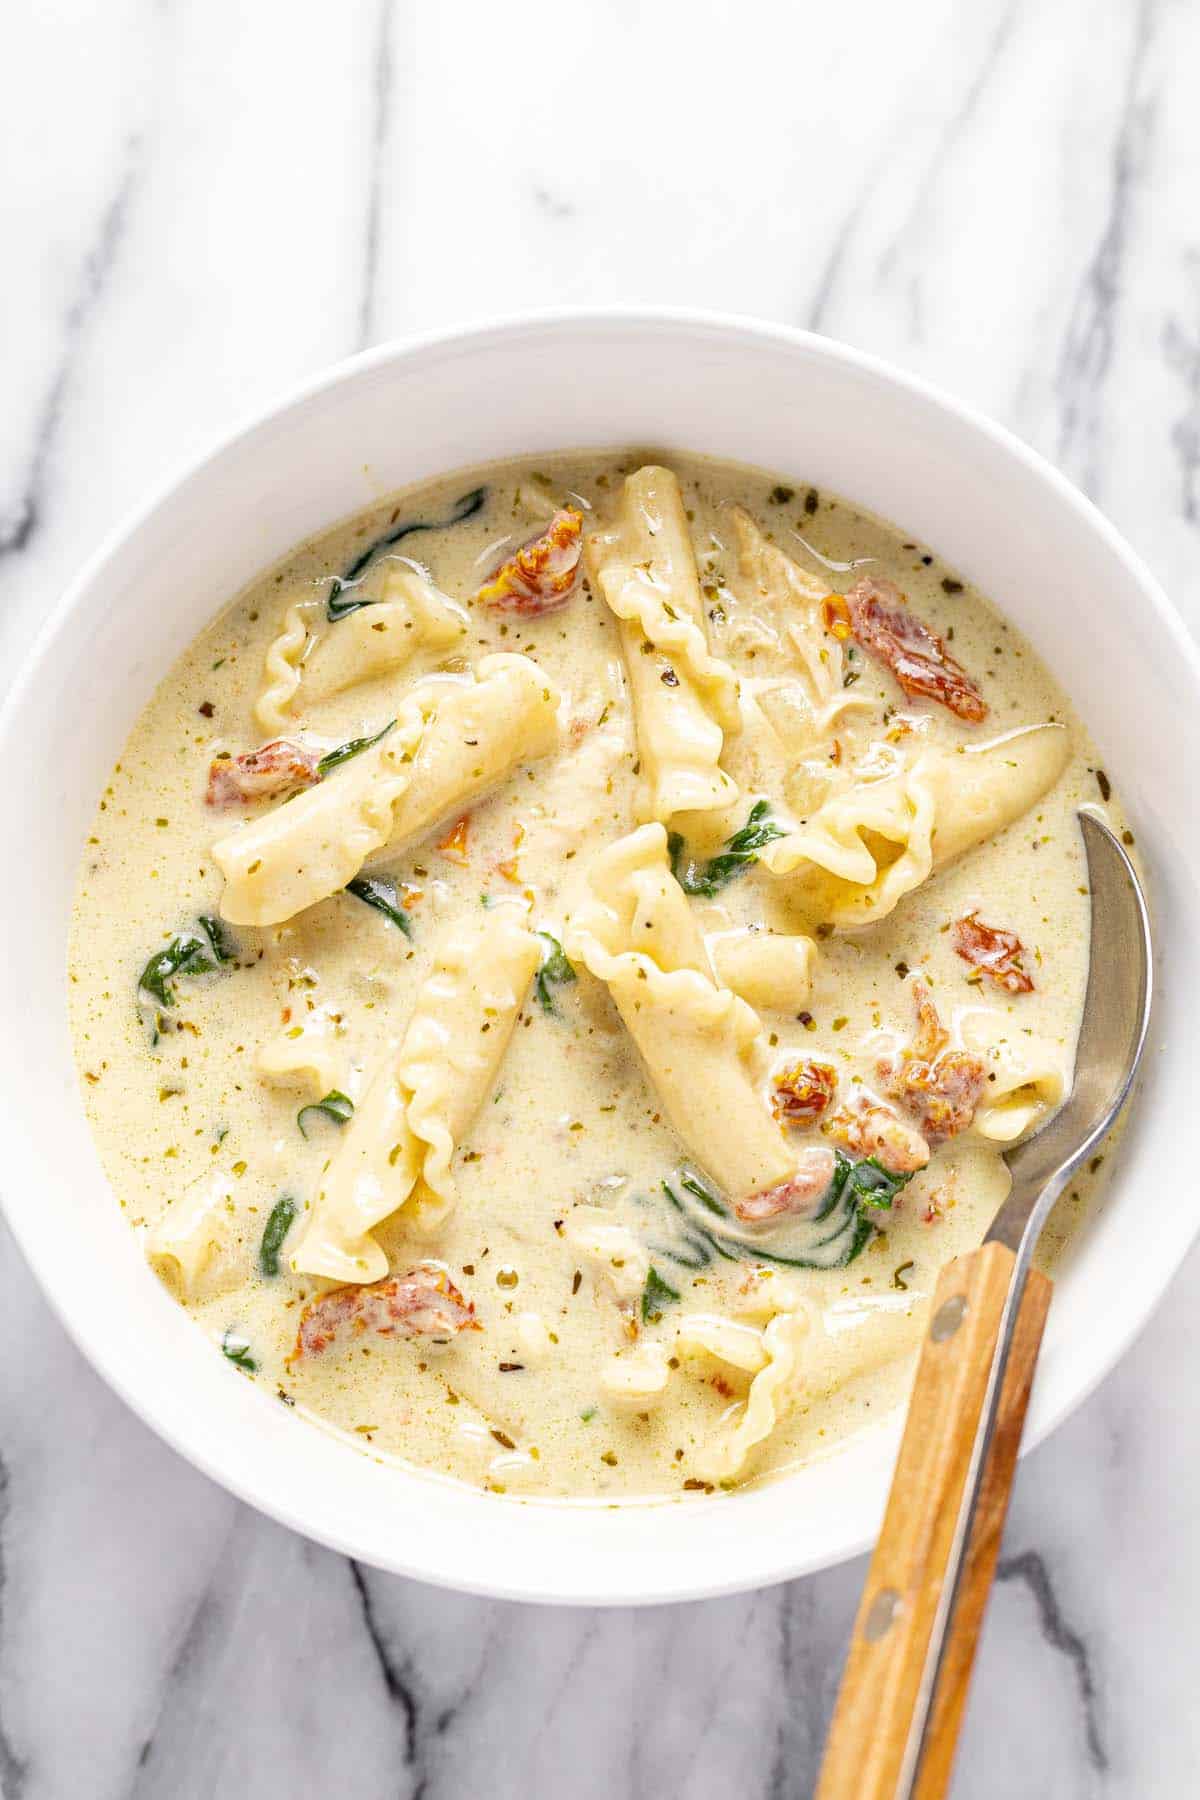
x: 705, y: 879
x: 338, y: 608
x: 835, y: 1233
x: 703, y: 1194
x: 655, y: 1295
x: 278, y: 1225
x: 382, y: 896
x: 336, y: 1106
x: 186, y: 954
x: 555, y: 970
x: 872, y: 1184
x: 333, y: 759
x: 238, y: 1351
x: 223, y: 947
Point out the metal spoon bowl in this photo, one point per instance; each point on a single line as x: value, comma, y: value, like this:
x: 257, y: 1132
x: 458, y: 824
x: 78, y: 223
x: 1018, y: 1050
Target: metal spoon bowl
x: 1112, y: 1036
x: 901, y: 1702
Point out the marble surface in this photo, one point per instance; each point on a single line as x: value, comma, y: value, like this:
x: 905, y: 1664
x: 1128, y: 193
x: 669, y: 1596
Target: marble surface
x: 202, y: 201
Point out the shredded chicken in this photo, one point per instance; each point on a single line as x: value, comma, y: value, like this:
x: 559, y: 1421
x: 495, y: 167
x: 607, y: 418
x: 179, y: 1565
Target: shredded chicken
x: 801, y: 1094
x: 869, y: 1129
x: 939, y: 1087
x: 874, y: 613
x: 539, y: 577
x: 800, y: 1194
x: 422, y: 1303
x: 994, y: 952
x: 279, y: 767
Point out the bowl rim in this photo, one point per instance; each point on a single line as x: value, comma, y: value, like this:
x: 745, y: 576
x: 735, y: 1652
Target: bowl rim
x: 477, y: 334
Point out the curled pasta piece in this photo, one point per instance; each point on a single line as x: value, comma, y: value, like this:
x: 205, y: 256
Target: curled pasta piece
x: 398, y: 1147
x: 637, y: 934
x: 1026, y: 1080
x: 281, y: 667
x: 453, y: 740
x: 775, y: 1354
x: 184, y: 1239
x: 730, y: 1341
x: 376, y: 640
x: 313, y: 659
x: 685, y: 700
x: 308, y: 848
x: 765, y: 968
x: 480, y: 732
x: 857, y: 857
x: 304, y: 1056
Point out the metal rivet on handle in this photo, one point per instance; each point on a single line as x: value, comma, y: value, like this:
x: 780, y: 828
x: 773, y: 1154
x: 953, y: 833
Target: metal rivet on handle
x: 882, y: 1614
x: 948, y: 1317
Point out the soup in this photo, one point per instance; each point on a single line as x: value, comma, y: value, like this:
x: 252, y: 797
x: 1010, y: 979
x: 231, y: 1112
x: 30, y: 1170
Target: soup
x: 560, y: 958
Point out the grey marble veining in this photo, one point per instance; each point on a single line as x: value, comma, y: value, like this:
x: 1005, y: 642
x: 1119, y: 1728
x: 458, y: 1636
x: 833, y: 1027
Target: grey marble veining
x: 201, y: 202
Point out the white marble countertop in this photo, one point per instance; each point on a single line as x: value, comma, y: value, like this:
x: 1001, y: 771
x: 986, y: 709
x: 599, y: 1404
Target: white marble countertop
x: 202, y: 202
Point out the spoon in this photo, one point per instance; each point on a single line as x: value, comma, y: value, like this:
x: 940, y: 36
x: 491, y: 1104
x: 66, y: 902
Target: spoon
x: 901, y: 1701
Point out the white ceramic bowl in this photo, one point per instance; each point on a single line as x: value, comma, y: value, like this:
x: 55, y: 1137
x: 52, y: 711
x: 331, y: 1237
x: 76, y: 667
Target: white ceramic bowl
x: 801, y: 405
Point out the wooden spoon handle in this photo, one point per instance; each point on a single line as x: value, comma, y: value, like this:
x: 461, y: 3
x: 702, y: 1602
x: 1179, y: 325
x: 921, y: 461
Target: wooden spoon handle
x: 903, y: 1637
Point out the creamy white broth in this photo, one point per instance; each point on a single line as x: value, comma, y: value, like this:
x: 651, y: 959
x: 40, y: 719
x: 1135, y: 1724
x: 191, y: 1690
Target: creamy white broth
x: 572, y: 1132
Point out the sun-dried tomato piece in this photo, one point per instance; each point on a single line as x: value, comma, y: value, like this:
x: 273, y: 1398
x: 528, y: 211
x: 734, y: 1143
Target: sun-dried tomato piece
x: 539, y: 577
x: 931, y: 1035
x: 941, y: 1095
x: 801, y: 1094
x: 940, y: 1088
x: 917, y: 657
x: 995, y: 952
x: 801, y: 1193
x: 422, y: 1303
x: 279, y: 767
x: 869, y: 1129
